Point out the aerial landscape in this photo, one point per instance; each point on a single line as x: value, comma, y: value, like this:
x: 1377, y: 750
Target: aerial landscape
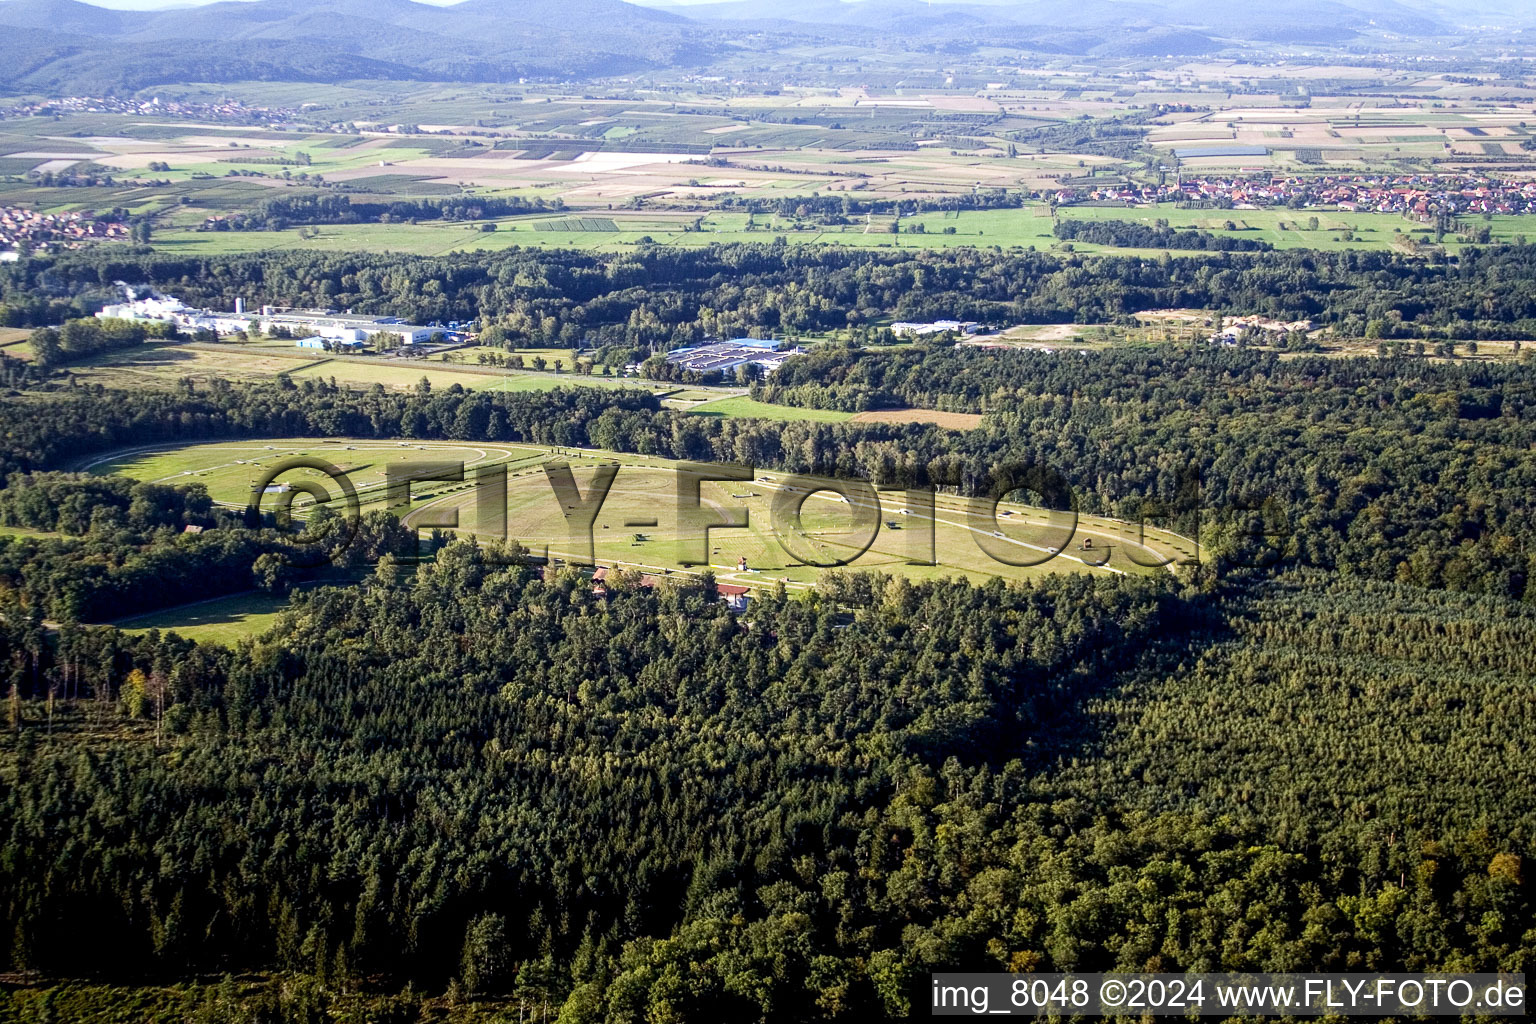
x: 592, y: 512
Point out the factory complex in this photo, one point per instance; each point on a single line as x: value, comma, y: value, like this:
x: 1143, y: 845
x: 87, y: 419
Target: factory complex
x: 722, y: 356
x: 313, y: 328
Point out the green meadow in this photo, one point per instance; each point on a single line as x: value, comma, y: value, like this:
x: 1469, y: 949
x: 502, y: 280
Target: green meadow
x: 223, y: 620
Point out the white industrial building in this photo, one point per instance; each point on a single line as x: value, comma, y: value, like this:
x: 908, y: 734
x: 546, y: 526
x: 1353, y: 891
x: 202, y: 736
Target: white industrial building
x: 307, y: 324
x: 907, y: 329
x: 345, y: 327
x: 155, y: 308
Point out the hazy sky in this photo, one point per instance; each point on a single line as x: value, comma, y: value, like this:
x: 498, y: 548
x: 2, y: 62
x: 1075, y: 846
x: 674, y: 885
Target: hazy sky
x: 160, y: 5
x: 1453, y: 5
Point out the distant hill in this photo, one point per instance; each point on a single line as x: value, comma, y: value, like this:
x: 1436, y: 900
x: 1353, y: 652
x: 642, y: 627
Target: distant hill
x: 1134, y: 17
x: 1104, y: 27
x: 1478, y: 12
x: 70, y: 46
x: 60, y: 46
x: 66, y: 16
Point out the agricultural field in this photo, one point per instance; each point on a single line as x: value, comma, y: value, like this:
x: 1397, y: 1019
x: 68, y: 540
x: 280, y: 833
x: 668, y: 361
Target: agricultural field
x: 1029, y: 226
x: 1343, y: 135
x: 625, y: 168
x: 641, y: 523
x: 13, y: 342
x: 1291, y: 229
x: 164, y: 364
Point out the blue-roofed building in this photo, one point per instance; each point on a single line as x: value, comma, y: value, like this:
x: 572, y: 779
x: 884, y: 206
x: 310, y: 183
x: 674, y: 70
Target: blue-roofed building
x: 347, y: 345
x: 723, y: 356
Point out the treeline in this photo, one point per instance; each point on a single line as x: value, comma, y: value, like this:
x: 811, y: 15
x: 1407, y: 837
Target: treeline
x: 76, y: 503
x: 1128, y: 234
x: 284, y: 211
x: 658, y: 296
x: 110, y: 573
x: 18, y: 373
x: 54, y: 430
x: 113, y: 546
x: 836, y: 209
x: 89, y: 336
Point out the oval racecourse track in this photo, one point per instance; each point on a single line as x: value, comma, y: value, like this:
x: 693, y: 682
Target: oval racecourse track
x: 645, y: 489
x: 644, y: 492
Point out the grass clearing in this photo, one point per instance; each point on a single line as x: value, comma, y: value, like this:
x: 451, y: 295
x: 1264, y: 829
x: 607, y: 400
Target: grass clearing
x: 25, y: 531
x: 13, y: 342
x: 874, y: 532
x: 222, y: 620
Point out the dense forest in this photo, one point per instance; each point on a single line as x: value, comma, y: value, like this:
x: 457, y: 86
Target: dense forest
x: 658, y: 296
x: 88, y: 336
x: 1131, y: 235
x: 639, y: 805
x: 104, y: 546
x: 617, y: 773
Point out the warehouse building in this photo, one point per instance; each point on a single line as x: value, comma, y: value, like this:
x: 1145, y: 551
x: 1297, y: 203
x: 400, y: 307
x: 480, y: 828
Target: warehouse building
x: 724, y: 356
x: 307, y: 324
x: 904, y: 329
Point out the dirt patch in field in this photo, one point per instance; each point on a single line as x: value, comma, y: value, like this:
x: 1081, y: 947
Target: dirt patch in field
x: 1038, y: 332
x: 948, y: 420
